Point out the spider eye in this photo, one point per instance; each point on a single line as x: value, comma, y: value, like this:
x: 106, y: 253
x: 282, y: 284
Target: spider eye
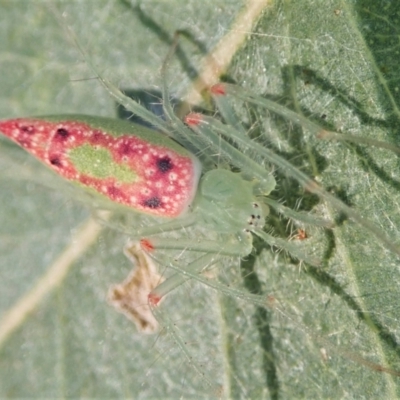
x: 256, y: 219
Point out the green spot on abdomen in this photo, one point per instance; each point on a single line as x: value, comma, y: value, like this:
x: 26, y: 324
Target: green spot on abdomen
x: 98, y: 163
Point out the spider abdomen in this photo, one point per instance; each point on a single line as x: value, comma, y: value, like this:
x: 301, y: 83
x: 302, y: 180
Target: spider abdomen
x: 127, y: 163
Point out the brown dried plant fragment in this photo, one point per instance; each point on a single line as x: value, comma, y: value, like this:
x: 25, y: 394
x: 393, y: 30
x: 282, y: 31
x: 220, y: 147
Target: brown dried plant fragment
x: 131, y: 296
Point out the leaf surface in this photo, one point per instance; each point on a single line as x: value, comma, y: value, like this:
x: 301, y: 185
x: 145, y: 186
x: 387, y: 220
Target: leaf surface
x: 335, y: 63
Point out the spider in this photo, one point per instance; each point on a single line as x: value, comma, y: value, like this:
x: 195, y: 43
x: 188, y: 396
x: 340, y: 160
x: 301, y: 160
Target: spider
x: 215, y: 223
x: 221, y: 225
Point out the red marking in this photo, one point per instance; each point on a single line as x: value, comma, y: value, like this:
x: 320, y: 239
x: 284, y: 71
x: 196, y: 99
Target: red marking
x: 172, y: 183
x: 97, y: 136
x: 301, y: 234
x: 146, y: 245
x: 153, y: 299
x: 193, y: 119
x: 114, y: 193
x: 218, y: 89
x: 125, y: 149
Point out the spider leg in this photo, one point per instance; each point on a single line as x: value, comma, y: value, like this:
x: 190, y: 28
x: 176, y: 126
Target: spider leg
x: 303, y: 217
x: 239, y: 246
x: 221, y: 90
x: 292, y: 248
x: 197, y: 266
x: 201, y: 124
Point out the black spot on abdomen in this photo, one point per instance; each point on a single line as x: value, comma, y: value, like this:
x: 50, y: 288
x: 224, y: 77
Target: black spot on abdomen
x: 164, y: 164
x: 55, y: 161
x: 152, y: 202
x: 62, y: 133
x: 28, y: 129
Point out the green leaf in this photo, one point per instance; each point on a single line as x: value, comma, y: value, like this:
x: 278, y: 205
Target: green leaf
x: 325, y: 331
